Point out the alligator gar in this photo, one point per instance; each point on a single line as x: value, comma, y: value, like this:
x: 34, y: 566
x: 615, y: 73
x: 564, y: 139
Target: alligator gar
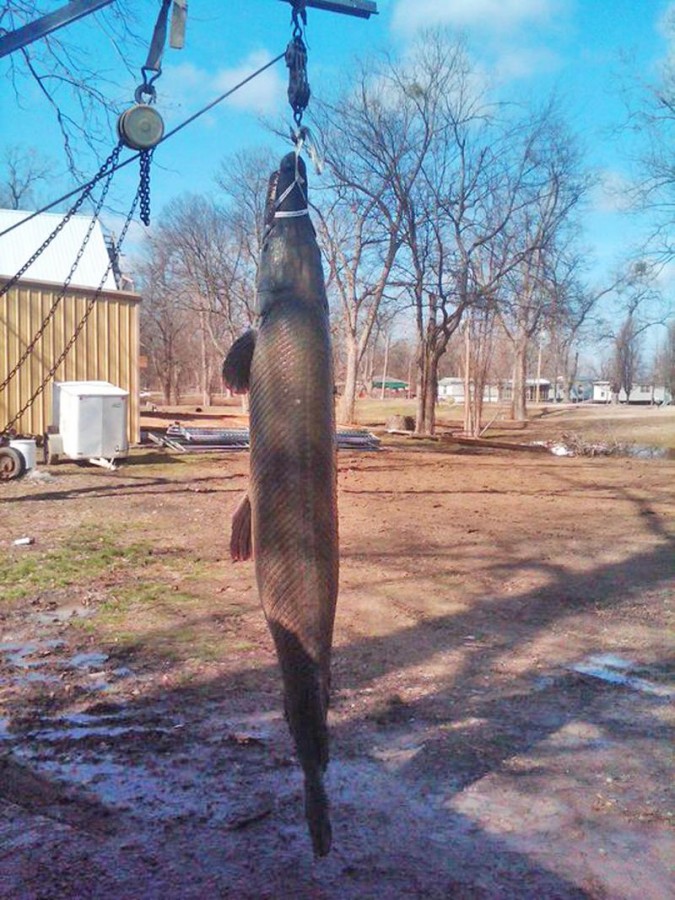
x: 288, y: 521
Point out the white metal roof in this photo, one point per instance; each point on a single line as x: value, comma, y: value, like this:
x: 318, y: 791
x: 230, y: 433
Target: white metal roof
x: 55, y: 261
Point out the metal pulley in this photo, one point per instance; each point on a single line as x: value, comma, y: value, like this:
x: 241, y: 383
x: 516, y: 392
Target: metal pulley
x: 141, y: 127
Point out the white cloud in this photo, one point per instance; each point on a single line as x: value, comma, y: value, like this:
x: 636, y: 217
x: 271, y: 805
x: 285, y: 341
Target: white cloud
x: 490, y: 15
x: 186, y: 88
x: 262, y: 95
x: 611, y: 194
x: 524, y: 62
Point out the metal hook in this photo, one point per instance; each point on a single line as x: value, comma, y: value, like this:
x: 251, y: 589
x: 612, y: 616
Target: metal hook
x: 145, y: 90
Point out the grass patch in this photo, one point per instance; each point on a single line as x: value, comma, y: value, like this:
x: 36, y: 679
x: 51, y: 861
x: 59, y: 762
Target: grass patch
x: 150, y: 618
x: 154, y: 595
x: 81, y: 558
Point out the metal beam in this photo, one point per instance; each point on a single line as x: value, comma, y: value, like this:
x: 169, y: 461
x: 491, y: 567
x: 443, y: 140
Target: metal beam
x: 33, y: 31
x: 364, y: 9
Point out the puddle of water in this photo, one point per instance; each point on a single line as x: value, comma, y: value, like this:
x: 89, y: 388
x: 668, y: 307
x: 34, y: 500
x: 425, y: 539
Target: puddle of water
x: 616, y: 670
x: 19, y: 653
x: 33, y: 678
x: 91, y: 660
x: 122, y: 672
x: 580, y: 448
x: 83, y: 732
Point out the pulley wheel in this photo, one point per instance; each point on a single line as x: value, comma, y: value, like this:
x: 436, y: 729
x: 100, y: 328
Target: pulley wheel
x: 140, y: 127
x: 12, y: 463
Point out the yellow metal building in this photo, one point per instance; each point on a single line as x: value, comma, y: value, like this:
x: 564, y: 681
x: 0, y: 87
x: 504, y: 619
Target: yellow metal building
x: 107, y: 347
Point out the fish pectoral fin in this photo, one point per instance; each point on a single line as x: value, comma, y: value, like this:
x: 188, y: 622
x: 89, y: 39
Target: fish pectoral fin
x: 237, y: 365
x: 241, y: 545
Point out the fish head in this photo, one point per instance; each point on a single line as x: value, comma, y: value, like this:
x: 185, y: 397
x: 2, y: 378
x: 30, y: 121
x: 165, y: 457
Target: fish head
x: 288, y: 186
x: 290, y: 264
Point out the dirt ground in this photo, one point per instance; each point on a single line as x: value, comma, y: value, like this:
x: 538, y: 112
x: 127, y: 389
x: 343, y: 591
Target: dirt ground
x: 503, y: 680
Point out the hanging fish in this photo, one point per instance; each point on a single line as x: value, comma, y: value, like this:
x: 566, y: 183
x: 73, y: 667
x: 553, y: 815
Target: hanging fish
x: 288, y: 521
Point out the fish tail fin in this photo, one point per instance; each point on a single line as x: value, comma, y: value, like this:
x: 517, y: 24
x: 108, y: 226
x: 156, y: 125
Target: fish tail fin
x: 311, y: 742
x: 317, y: 813
x: 306, y: 684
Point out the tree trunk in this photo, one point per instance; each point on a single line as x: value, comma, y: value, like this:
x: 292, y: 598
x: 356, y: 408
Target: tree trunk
x: 428, y: 393
x: 167, y: 385
x: 369, y: 374
x: 468, y: 409
x: 347, y: 407
x: 205, y: 373
x: 432, y: 395
x: 421, y: 409
x: 384, y: 367
x: 519, y: 398
x: 570, y: 378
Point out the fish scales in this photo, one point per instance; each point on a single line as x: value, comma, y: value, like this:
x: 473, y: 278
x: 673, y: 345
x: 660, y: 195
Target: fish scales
x: 292, y: 488
x: 292, y: 477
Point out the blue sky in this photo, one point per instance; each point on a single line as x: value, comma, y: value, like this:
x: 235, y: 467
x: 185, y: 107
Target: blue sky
x: 583, y: 49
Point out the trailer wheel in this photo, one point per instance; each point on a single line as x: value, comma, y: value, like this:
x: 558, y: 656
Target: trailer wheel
x: 49, y: 456
x: 12, y: 463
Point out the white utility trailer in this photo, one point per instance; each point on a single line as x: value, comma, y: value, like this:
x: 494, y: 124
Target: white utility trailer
x: 89, y: 422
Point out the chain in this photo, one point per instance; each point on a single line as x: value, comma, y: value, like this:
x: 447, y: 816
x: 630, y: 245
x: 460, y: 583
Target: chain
x: 106, y: 169
x: 144, y: 186
x: 83, y: 321
x: 296, y: 60
x: 59, y: 297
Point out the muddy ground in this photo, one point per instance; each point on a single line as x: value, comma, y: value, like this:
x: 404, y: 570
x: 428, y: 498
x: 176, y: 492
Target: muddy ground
x: 502, y: 684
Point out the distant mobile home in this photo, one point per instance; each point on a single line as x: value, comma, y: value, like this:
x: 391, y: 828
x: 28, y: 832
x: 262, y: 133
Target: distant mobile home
x: 107, y: 345
x: 644, y: 394
x: 452, y: 389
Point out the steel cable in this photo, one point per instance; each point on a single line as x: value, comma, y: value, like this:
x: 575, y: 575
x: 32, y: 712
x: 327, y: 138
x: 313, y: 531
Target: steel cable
x: 126, y: 162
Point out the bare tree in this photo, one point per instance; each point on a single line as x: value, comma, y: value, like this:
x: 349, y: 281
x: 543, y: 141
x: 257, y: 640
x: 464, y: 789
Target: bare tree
x: 75, y: 89
x: 625, y: 359
x: 165, y: 324
x: 496, y: 187
x: 574, y: 302
x: 652, y: 118
x: 479, y: 328
x: 639, y: 305
x: 450, y: 210
x: 552, y: 192
x: 243, y: 180
x: 664, y: 363
x: 23, y: 171
x: 374, y: 145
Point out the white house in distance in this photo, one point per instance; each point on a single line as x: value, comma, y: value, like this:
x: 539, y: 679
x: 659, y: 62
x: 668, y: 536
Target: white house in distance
x: 640, y: 393
x: 452, y: 390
